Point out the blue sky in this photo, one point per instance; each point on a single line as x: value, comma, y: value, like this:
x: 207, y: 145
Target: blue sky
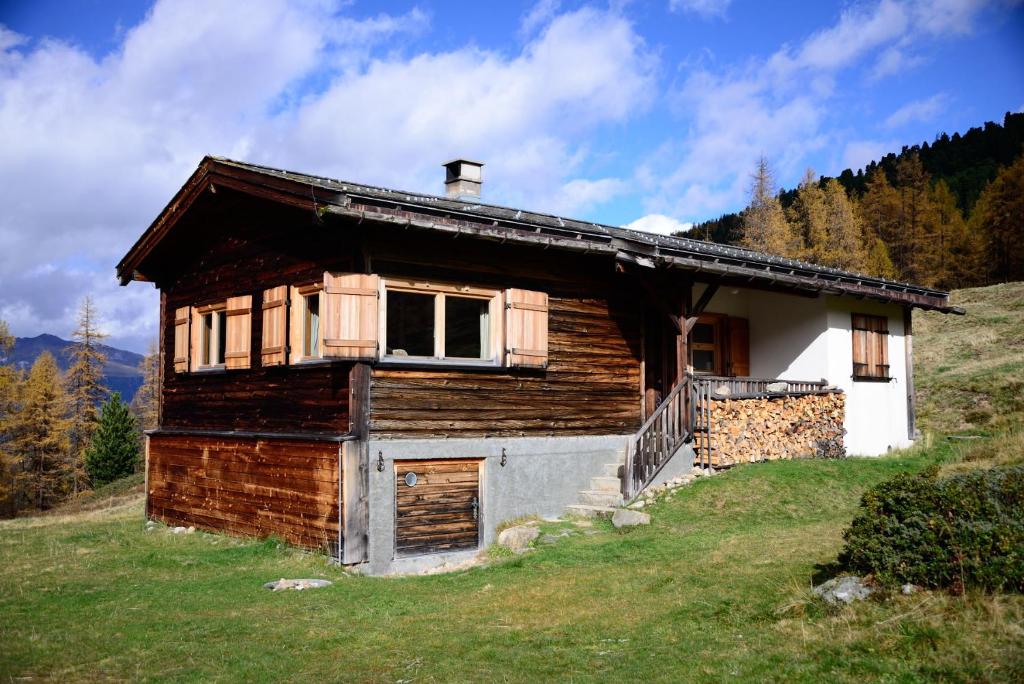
x: 642, y: 113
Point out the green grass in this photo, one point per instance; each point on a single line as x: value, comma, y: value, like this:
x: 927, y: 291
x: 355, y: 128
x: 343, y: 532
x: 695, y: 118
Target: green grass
x: 717, y: 588
x: 969, y: 370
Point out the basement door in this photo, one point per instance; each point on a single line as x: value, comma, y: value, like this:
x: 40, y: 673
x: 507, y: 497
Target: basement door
x: 437, y: 506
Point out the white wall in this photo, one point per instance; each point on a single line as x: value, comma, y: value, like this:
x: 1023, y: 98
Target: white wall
x: 804, y: 338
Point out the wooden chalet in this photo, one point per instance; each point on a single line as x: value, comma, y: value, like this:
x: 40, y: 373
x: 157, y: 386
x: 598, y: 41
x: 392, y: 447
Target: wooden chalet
x: 390, y: 375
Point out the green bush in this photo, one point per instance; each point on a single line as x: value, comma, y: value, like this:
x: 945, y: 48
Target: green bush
x: 114, y: 450
x: 960, y: 532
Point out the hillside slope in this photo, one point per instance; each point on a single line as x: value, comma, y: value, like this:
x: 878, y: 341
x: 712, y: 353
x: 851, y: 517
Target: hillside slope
x: 120, y: 374
x: 969, y: 370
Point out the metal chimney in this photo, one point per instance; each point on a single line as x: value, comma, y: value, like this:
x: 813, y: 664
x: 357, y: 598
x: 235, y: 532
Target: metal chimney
x: 463, y: 178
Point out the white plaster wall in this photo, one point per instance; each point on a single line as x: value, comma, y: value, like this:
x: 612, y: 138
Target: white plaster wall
x: 805, y: 338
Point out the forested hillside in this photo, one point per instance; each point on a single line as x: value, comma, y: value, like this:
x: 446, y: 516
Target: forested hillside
x: 120, y: 371
x: 948, y: 213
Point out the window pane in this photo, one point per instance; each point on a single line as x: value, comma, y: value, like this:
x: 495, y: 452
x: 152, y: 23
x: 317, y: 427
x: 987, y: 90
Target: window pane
x: 466, y: 328
x: 222, y: 337
x: 207, y: 358
x: 410, y: 324
x: 311, y: 327
x: 704, y: 333
x: 703, y: 361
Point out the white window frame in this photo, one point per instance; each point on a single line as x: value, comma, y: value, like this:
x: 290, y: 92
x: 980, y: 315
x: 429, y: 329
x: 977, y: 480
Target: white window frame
x: 297, y: 327
x: 218, y: 314
x: 495, y: 311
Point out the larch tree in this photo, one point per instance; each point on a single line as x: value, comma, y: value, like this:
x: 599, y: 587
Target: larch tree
x: 765, y: 227
x: 844, y: 241
x: 957, y: 252
x: 41, y: 436
x: 998, y: 219
x: 914, y: 247
x: 146, y: 402
x: 879, y: 209
x: 10, y: 391
x: 85, y: 388
x: 877, y: 261
x: 808, y: 217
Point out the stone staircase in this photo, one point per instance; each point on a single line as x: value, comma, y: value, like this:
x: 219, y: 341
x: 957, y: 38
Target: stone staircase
x: 604, y: 495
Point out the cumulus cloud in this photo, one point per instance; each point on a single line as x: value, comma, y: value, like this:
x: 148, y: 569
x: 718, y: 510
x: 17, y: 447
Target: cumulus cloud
x: 95, y: 146
x: 707, y: 9
x: 918, y: 110
x: 659, y: 224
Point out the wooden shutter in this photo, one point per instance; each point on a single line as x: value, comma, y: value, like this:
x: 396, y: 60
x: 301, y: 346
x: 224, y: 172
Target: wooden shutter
x: 526, y: 328
x: 275, y: 318
x: 349, y: 316
x: 739, y: 347
x: 182, y: 319
x: 870, y: 346
x: 238, y: 341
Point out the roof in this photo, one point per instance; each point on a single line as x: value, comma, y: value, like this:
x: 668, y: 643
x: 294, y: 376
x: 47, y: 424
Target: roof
x: 490, y: 221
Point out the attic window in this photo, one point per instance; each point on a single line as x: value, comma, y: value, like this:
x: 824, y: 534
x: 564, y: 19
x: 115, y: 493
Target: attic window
x: 870, y: 347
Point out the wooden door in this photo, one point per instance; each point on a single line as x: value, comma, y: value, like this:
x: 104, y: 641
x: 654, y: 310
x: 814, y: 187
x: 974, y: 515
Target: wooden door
x: 437, y: 506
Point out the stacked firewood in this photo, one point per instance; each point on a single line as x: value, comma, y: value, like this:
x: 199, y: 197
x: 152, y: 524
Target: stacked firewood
x: 769, y: 428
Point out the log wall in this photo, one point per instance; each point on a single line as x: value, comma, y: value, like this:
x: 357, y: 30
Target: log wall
x: 770, y: 428
x: 247, y: 487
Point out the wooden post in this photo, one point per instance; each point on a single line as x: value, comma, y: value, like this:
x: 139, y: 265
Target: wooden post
x: 354, y: 488
x: 908, y: 360
x: 682, y: 353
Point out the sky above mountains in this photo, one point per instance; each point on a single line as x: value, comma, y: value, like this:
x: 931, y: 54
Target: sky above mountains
x: 642, y: 113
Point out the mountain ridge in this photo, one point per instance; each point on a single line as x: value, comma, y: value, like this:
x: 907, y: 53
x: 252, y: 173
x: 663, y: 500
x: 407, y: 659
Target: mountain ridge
x: 120, y: 374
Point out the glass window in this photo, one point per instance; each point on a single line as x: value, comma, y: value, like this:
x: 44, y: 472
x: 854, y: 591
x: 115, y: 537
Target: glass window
x: 703, y: 333
x: 214, y: 338
x: 703, y: 361
x: 410, y: 324
x: 311, y: 326
x: 467, y: 328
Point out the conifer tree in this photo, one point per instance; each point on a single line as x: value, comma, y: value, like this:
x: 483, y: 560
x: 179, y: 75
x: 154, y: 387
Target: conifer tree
x: 765, y: 227
x: 913, y: 249
x: 41, y: 436
x: 879, y: 209
x: 877, y: 261
x: 808, y: 216
x: 114, y: 450
x: 957, y: 252
x: 10, y: 390
x: 844, y: 246
x: 85, y: 387
x: 998, y: 219
x: 145, y: 404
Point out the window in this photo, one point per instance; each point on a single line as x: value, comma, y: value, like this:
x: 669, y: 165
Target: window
x: 705, y: 349
x: 306, y: 330
x: 428, y: 321
x: 870, y: 347
x: 213, y: 340
x: 311, y: 326
x: 720, y: 345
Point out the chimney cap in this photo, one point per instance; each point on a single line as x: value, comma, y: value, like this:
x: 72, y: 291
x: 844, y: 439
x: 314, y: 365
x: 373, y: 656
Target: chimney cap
x: 463, y: 178
x: 462, y: 160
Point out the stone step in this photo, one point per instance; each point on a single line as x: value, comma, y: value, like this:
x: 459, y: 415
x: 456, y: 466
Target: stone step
x: 605, y: 483
x: 597, y: 497
x: 611, y: 469
x: 588, y: 511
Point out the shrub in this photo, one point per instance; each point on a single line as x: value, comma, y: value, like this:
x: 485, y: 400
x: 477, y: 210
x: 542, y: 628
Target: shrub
x: 114, y: 450
x: 963, y: 531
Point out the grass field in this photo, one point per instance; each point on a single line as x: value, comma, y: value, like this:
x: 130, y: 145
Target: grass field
x: 716, y: 588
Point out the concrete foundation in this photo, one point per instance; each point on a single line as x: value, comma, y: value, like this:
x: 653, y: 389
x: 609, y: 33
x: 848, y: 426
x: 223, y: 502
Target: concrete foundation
x: 541, y: 476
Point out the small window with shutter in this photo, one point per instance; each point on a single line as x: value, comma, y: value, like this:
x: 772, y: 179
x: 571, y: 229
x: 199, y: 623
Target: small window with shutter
x: 274, y: 350
x: 526, y: 341
x: 237, y: 324
x: 870, y: 347
x: 209, y: 336
x: 306, y: 330
x: 182, y: 321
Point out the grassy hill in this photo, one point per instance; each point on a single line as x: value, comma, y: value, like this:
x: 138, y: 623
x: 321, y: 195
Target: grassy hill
x: 969, y: 370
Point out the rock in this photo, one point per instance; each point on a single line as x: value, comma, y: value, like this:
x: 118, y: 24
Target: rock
x: 723, y: 391
x: 179, y: 530
x: 518, y: 538
x: 843, y: 589
x: 190, y: 530
x: 777, y: 387
x: 296, y: 584
x: 908, y: 589
x: 627, y: 518
x: 638, y: 504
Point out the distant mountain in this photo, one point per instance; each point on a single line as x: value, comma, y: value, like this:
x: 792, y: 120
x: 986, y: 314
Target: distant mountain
x: 121, y: 373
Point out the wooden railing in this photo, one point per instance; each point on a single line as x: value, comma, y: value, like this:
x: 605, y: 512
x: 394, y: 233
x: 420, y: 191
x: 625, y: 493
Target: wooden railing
x: 657, y: 440
x: 685, y: 415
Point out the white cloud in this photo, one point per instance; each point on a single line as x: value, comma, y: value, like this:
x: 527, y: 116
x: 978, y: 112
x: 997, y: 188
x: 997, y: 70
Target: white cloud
x: 894, y: 61
x: 542, y: 12
x: 707, y: 9
x: 659, y: 224
x: 858, y: 153
x: 94, y: 147
x: 918, y: 110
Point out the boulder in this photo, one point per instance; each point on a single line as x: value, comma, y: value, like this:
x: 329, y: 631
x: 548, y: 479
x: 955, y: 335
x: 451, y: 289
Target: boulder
x: 843, y: 589
x: 296, y: 584
x: 517, y: 538
x: 777, y: 387
x: 626, y: 518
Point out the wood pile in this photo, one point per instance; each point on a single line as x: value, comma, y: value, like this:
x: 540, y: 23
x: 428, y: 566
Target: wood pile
x: 770, y: 428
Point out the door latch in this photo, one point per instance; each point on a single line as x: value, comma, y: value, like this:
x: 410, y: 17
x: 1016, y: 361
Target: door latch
x: 476, y: 507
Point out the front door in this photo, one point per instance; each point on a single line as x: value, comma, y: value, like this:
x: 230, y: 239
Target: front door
x: 437, y: 506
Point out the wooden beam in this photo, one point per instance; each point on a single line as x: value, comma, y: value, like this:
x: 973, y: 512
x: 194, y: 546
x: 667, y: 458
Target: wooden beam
x: 354, y: 488
x: 682, y: 352
x: 908, y: 360
x: 705, y: 299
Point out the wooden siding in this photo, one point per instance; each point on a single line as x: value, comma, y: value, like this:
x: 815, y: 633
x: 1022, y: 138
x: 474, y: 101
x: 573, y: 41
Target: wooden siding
x: 246, y: 486
x: 240, y: 250
x: 440, y: 512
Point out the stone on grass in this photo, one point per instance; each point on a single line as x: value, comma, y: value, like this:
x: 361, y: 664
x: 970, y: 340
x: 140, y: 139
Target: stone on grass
x: 296, y: 584
x: 624, y: 517
x: 517, y: 538
x: 843, y: 589
x: 638, y: 504
x: 908, y: 589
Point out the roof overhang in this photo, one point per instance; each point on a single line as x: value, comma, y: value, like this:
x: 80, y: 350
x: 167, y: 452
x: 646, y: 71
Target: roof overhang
x: 365, y: 204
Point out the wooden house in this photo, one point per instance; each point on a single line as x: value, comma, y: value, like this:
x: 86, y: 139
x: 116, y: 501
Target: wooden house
x: 391, y: 375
